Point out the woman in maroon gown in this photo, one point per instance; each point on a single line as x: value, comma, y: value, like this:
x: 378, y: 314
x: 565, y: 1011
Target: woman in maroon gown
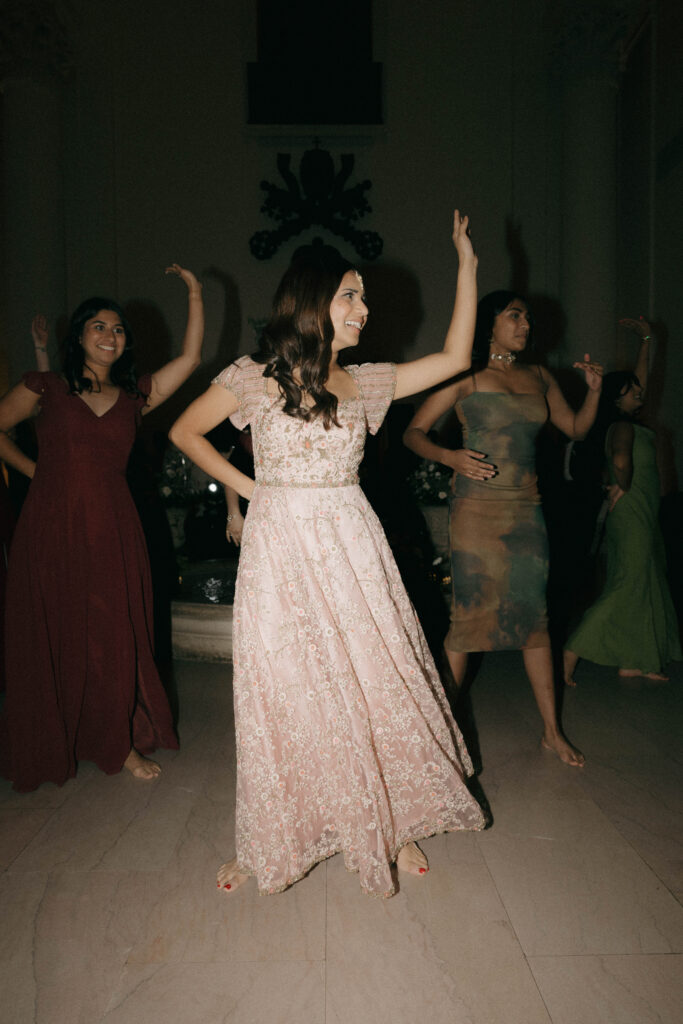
x: 81, y: 678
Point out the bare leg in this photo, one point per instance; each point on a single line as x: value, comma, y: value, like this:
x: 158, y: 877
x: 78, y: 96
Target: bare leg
x: 570, y: 662
x: 539, y: 668
x: 229, y: 878
x: 458, y: 665
x: 141, y: 767
x: 412, y: 860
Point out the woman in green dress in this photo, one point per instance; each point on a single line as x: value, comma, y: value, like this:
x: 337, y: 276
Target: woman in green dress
x: 499, y: 559
x: 632, y: 625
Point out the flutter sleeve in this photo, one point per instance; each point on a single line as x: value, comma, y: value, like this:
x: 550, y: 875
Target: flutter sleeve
x: 377, y: 384
x: 244, y: 378
x: 145, y: 389
x: 37, y: 382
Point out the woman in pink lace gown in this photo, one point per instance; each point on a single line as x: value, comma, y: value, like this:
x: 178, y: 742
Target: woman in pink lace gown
x: 345, y: 742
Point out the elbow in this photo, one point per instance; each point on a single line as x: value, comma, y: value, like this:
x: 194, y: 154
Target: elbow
x: 460, y: 365
x: 176, y: 436
x: 192, y: 363
x: 580, y: 429
x: 409, y: 437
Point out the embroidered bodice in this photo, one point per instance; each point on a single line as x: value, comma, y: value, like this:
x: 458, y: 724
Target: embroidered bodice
x: 290, y: 452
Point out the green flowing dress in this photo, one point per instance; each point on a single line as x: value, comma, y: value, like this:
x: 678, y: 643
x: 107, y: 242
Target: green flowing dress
x: 633, y: 625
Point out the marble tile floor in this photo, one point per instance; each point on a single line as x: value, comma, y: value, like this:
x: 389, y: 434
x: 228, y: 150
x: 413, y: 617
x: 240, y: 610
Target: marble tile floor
x: 566, y: 910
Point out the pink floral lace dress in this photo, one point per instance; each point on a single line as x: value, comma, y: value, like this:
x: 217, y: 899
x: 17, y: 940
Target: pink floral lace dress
x: 345, y: 742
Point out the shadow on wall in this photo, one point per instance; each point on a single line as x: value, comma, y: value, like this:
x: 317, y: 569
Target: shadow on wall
x: 654, y: 403
x: 550, y: 320
x: 396, y: 313
x: 155, y: 344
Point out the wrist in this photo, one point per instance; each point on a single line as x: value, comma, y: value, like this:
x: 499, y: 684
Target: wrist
x: 468, y: 262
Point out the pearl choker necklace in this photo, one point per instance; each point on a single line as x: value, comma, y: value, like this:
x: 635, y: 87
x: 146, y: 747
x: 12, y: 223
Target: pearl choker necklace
x: 503, y: 357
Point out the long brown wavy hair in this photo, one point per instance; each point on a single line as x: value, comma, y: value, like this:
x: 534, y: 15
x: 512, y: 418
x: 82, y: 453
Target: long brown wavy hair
x: 299, y: 334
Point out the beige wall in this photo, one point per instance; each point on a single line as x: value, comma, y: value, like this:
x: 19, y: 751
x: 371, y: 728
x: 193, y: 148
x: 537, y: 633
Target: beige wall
x: 650, y: 250
x: 158, y: 165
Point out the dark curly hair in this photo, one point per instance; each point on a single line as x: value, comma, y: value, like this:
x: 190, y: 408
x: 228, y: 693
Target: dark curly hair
x: 123, y: 373
x: 588, y: 458
x: 488, y: 308
x: 614, y: 386
x: 299, y: 332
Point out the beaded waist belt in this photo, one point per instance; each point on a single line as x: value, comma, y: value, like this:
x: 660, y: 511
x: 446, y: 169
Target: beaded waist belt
x: 306, y: 484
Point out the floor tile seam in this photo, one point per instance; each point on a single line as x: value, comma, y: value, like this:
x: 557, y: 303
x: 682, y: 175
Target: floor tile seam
x: 643, y: 788
x: 637, y: 853
x: 527, y: 955
x: 31, y: 838
x: 653, y: 798
x: 500, y: 896
x: 601, y: 956
x: 616, y: 843
x: 270, y: 961
x: 537, y: 986
x: 643, y: 865
x: 623, y: 842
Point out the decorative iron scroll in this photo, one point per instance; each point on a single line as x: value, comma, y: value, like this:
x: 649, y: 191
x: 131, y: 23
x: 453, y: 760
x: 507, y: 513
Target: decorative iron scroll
x: 319, y: 197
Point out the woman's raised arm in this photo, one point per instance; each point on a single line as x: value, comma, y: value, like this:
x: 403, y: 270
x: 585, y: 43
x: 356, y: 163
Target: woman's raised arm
x: 456, y: 355
x: 575, y: 424
x: 642, y: 368
x: 40, y: 335
x: 170, y: 377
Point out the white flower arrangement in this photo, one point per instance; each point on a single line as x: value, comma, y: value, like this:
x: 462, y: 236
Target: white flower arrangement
x: 176, y: 484
x: 431, y: 483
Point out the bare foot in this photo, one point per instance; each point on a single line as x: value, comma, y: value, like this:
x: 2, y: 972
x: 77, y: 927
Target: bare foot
x: 570, y: 662
x: 229, y: 878
x: 567, y: 753
x: 630, y: 673
x: 412, y: 860
x: 141, y: 767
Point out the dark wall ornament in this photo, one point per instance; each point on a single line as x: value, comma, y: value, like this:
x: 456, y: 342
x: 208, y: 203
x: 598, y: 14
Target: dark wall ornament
x: 33, y: 40
x: 318, y: 197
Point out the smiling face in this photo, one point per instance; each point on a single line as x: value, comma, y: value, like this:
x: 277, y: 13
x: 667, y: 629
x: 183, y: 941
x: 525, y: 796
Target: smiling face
x: 348, y: 311
x: 630, y: 401
x: 511, y: 328
x: 103, y: 339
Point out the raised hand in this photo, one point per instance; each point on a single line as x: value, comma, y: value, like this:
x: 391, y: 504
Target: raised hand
x: 469, y: 463
x: 39, y: 331
x: 461, y: 236
x: 187, y: 276
x: 593, y: 372
x: 640, y: 326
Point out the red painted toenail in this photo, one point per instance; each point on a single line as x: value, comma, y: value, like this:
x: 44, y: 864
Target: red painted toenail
x: 227, y: 886
x: 423, y: 871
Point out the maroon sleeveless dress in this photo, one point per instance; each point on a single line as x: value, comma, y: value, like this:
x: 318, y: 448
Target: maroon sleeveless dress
x: 80, y: 673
